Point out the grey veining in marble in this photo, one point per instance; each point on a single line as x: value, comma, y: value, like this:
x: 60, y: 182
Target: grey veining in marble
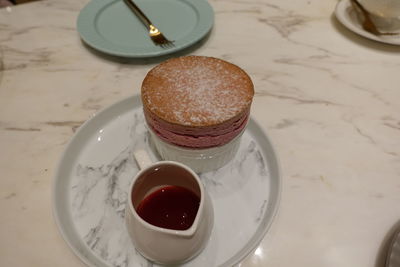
x: 98, y: 192
x: 328, y: 98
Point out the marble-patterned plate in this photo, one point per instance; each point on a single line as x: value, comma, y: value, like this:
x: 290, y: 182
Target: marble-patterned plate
x: 393, y: 257
x: 111, y: 27
x: 92, y: 179
x: 347, y: 15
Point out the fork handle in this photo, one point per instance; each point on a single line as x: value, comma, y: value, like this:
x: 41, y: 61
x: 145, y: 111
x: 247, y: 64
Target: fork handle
x: 138, y: 12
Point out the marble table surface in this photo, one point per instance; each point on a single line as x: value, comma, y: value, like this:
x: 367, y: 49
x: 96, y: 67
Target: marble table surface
x: 329, y: 100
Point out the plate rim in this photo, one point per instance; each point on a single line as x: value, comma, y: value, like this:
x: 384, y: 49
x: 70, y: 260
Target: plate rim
x: 393, y: 242
x: 123, y: 106
x: 344, y: 18
x: 86, y: 28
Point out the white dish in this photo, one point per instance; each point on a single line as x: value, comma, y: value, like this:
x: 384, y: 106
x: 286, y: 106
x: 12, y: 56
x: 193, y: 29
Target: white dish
x: 94, y: 173
x: 199, y: 160
x: 346, y: 14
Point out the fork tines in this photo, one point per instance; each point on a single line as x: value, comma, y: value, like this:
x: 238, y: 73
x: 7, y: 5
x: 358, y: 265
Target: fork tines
x: 162, y: 41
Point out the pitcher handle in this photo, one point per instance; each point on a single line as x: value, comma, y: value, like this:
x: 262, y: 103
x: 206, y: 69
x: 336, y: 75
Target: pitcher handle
x: 142, y: 158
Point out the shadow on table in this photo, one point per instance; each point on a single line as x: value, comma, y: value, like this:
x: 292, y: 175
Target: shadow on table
x: 389, y: 48
x: 150, y: 60
x: 385, y: 245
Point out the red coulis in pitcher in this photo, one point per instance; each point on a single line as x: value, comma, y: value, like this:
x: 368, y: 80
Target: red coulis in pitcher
x: 172, y: 207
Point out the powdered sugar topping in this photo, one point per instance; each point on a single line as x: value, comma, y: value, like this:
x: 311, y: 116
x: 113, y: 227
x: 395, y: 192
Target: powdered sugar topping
x: 197, y: 91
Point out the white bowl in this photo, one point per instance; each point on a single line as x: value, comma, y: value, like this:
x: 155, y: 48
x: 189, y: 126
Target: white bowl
x: 385, y: 14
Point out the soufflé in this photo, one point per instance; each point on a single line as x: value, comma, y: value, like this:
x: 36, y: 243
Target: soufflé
x: 196, y: 102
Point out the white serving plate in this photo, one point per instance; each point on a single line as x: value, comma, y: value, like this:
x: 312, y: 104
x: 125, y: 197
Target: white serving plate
x: 393, y: 256
x: 91, y: 183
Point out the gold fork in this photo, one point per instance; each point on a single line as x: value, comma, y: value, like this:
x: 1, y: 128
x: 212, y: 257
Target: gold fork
x: 156, y: 36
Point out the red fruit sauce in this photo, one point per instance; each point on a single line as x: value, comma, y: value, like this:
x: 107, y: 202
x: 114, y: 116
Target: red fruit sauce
x: 172, y: 207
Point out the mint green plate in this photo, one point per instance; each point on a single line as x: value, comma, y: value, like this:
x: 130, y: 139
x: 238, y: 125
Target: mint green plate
x: 111, y: 27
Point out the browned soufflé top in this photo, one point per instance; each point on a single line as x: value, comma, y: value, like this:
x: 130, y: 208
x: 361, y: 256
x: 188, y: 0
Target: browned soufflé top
x: 197, y: 91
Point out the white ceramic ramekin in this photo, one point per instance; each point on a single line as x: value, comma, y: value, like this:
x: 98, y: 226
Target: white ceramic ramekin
x: 199, y: 160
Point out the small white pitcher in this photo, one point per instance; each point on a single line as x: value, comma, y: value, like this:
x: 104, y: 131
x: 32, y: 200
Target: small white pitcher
x: 162, y: 245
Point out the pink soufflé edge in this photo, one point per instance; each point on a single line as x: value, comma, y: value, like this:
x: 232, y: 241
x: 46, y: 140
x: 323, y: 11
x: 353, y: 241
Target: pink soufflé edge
x: 199, y: 138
